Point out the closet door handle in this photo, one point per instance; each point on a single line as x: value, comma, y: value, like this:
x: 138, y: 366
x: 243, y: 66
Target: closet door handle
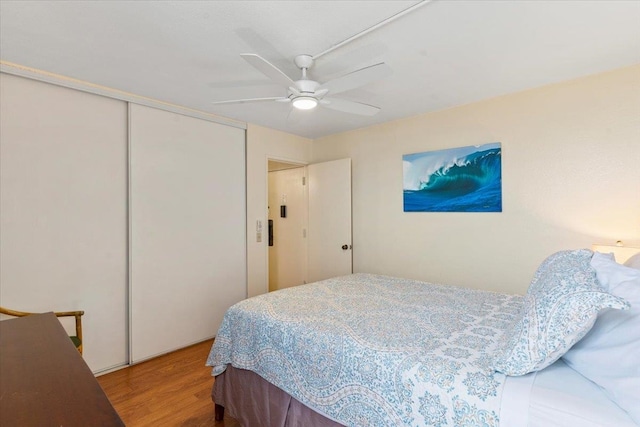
x: 345, y: 247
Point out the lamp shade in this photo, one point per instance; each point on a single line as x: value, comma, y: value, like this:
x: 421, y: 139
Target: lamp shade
x: 305, y: 102
x: 621, y: 253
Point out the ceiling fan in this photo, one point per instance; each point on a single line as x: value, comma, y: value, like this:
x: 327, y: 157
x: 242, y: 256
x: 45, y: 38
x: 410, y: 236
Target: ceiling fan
x: 306, y: 94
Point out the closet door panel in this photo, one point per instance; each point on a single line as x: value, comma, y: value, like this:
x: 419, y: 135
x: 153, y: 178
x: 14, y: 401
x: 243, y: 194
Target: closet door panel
x: 63, y: 210
x: 187, y: 207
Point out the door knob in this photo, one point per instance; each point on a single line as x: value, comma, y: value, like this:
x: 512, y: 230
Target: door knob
x: 345, y: 247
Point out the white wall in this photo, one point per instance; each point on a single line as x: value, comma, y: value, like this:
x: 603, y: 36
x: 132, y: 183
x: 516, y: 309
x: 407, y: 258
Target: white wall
x: 571, y: 177
x: 263, y: 144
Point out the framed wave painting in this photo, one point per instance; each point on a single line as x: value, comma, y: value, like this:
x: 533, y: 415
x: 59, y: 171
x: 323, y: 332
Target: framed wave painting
x: 464, y: 179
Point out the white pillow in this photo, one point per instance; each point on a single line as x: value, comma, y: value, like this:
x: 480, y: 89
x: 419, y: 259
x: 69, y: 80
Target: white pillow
x: 634, y: 261
x: 609, y: 355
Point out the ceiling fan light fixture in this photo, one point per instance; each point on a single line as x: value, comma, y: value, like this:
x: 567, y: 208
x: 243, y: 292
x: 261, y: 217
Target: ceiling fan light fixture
x: 305, y: 102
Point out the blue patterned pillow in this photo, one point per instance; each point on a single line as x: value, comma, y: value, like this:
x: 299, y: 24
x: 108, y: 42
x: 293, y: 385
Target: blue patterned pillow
x: 560, y: 307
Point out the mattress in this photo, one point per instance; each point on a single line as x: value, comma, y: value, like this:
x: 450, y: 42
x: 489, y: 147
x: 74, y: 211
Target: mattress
x: 558, y: 396
x: 374, y: 350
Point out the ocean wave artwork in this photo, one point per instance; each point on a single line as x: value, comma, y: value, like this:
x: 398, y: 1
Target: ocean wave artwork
x: 463, y: 179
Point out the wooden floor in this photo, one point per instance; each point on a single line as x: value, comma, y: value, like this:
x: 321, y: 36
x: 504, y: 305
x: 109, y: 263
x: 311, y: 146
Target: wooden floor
x: 171, y: 390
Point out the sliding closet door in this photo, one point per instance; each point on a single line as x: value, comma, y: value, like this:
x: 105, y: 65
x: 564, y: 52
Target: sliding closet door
x: 187, y: 207
x: 63, y: 210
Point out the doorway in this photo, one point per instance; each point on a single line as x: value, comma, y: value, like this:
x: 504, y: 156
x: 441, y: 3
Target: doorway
x: 287, y: 224
x: 309, y: 222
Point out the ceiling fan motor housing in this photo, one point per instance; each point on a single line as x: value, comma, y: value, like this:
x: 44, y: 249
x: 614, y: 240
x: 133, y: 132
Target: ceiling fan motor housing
x: 303, y: 61
x: 306, y: 86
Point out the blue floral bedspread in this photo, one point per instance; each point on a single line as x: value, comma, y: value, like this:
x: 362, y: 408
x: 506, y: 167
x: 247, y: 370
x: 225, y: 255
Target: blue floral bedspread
x: 369, y: 350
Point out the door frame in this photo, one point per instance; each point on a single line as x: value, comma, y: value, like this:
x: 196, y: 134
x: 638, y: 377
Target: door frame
x: 294, y: 164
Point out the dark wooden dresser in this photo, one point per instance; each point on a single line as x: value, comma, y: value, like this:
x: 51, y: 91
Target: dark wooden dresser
x: 43, y: 379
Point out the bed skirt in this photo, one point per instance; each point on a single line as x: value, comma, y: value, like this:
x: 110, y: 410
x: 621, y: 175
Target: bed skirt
x: 254, y: 402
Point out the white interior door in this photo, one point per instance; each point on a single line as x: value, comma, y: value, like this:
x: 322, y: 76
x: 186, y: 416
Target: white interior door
x: 329, y: 235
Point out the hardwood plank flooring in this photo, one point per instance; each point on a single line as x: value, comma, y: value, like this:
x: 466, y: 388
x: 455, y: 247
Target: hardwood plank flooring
x: 170, y: 390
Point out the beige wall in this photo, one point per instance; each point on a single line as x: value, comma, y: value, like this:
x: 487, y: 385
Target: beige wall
x: 263, y: 144
x: 571, y: 177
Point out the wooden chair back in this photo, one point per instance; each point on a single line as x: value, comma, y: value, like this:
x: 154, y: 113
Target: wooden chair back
x: 77, y: 339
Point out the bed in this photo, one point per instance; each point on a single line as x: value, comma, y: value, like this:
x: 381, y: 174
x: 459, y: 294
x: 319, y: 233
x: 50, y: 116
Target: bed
x: 372, y: 350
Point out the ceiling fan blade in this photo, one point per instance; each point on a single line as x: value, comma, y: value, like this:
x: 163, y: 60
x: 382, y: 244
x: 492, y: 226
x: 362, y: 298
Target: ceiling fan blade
x: 257, y: 43
x: 268, y: 69
x: 319, y: 93
x: 357, y: 78
x: 242, y: 101
x: 294, y: 90
x: 350, y: 106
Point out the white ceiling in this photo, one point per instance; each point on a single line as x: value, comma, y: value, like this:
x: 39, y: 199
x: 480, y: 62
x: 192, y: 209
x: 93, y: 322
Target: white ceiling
x: 444, y: 54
